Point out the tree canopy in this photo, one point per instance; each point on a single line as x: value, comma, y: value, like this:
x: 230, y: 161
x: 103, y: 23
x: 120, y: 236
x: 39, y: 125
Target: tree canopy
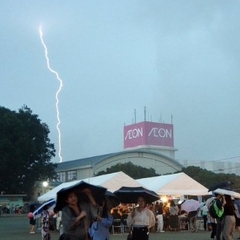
x: 131, y: 170
x: 208, y: 178
x: 205, y: 177
x: 25, y: 151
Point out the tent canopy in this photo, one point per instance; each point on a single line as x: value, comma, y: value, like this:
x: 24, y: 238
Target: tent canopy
x: 112, y: 182
x: 174, y: 184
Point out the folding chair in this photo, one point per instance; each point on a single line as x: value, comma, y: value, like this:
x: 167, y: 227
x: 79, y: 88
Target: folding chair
x: 116, y: 226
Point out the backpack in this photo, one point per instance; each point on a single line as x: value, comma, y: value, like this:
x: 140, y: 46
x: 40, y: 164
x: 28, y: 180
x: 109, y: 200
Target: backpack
x: 215, y: 211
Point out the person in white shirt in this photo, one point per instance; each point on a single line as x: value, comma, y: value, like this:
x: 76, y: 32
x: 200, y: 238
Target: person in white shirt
x: 159, y: 216
x: 141, y: 219
x: 204, y: 215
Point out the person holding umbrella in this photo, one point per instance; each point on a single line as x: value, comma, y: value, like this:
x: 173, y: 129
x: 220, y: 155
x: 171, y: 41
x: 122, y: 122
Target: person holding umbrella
x: 220, y: 202
x: 77, y: 215
x: 141, y: 219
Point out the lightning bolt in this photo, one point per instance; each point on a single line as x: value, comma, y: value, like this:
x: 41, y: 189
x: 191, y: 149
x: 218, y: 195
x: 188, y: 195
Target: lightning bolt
x: 56, y: 95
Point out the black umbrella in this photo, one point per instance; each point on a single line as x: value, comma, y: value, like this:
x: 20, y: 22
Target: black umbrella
x: 111, y: 199
x: 97, y: 192
x: 131, y: 194
x: 223, y: 185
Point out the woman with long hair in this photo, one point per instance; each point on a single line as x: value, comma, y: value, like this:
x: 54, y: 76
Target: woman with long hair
x: 141, y: 220
x: 229, y: 220
x: 99, y: 229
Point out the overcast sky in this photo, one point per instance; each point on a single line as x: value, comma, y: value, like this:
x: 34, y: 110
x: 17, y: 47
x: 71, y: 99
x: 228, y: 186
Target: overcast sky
x: 179, y: 58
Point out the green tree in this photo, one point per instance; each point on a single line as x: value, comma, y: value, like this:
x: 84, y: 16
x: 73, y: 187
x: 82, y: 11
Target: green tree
x: 208, y: 178
x: 131, y: 170
x: 25, y: 151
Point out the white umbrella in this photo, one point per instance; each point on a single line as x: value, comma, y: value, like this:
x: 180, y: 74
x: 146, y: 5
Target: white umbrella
x: 209, y: 201
x: 50, y: 203
x: 227, y: 192
x: 190, y: 205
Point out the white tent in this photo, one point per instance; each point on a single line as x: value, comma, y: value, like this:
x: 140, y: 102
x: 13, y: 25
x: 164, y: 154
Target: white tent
x: 174, y: 184
x: 112, y: 182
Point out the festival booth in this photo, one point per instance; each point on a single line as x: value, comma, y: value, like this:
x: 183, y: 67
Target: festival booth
x: 177, y: 186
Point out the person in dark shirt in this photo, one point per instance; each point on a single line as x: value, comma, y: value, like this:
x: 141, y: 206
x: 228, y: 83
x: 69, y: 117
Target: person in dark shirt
x: 219, y: 201
x: 229, y: 220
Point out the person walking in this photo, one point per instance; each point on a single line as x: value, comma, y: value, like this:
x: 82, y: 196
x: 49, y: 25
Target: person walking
x: 173, y: 218
x: 45, y: 223
x: 204, y: 213
x: 229, y: 220
x: 141, y: 219
x: 77, y: 216
x: 193, y: 220
x: 99, y: 229
x: 32, y: 221
x: 220, y: 201
x: 159, y: 217
x: 237, y: 215
x: 213, y: 222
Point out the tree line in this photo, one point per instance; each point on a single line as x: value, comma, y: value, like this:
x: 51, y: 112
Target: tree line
x: 25, y: 151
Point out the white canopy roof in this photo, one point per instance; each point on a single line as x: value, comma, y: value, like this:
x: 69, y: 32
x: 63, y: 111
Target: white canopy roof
x: 174, y: 184
x: 112, y: 182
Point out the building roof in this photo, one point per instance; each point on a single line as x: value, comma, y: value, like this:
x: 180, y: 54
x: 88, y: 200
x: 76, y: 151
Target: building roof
x: 73, y: 164
x: 91, y: 161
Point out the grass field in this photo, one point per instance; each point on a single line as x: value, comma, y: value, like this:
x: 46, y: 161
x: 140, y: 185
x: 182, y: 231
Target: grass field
x: 16, y: 227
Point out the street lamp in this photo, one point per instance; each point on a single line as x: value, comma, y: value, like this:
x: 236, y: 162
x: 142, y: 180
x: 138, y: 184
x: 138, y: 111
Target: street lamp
x: 45, y: 184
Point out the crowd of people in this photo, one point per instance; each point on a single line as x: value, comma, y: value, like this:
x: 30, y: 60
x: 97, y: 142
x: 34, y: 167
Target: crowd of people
x: 170, y: 217
x: 12, y: 209
x: 80, y: 219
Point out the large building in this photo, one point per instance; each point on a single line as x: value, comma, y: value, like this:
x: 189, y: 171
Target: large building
x: 146, y: 144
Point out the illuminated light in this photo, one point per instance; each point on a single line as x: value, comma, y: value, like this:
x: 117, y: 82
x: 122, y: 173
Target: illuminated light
x: 56, y: 95
x: 164, y: 199
x: 45, y: 184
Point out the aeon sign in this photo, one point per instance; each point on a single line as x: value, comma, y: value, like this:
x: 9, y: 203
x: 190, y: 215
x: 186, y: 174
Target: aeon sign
x: 134, y: 133
x: 160, y: 132
x: 148, y: 133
